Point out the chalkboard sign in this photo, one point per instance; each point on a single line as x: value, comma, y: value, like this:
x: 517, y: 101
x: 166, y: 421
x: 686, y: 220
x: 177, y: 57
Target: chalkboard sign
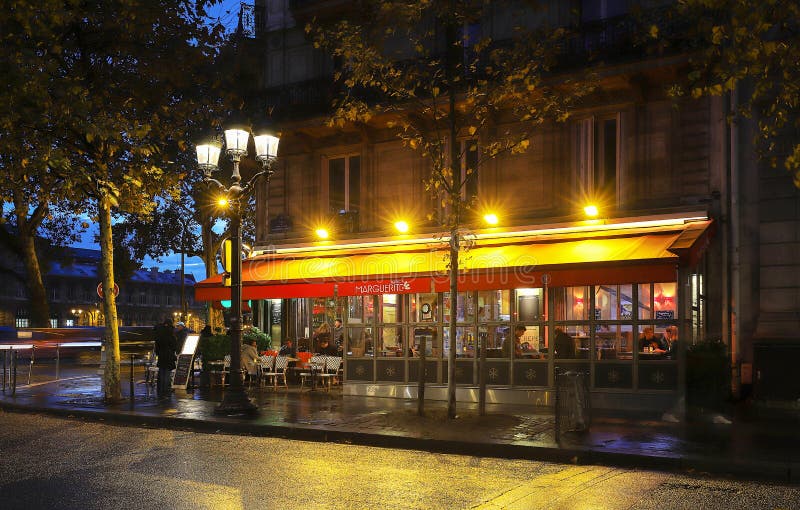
x: 183, y: 370
x: 528, y: 308
x: 665, y: 314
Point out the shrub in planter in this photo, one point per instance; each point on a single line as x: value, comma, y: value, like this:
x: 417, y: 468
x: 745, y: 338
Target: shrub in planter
x: 214, y: 348
x: 263, y: 340
x: 707, y: 375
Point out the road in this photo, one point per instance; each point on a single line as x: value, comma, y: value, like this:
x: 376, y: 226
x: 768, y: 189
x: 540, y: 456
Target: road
x: 62, y: 463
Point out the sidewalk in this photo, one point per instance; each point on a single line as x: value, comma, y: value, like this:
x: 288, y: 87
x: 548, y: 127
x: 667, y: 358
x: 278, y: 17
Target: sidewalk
x: 747, y: 448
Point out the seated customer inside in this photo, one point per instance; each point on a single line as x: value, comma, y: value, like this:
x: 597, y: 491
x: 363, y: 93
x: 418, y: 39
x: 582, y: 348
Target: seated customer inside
x: 326, y: 348
x: 648, y: 342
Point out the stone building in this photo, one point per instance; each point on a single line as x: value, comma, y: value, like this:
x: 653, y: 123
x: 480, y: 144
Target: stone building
x: 694, y: 232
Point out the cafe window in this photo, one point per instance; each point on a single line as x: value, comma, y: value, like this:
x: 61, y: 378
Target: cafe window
x: 494, y: 305
x: 613, y: 302
x: 657, y: 301
x: 595, y: 158
x: 344, y: 183
x: 495, y: 337
x: 360, y: 309
x: 424, y: 307
x: 529, y: 305
x: 653, y: 343
x: 430, y: 337
x: 614, y: 342
x: 698, y: 298
x: 391, y: 306
x: 465, y: 307
x: 571, y: 303
x: 390, y: 341
x: 465, y: 344
x: 359, y: 342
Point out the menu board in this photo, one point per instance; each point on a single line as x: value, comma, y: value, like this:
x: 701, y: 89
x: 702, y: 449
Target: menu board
x: 665, y: 314
x: 183, y: 370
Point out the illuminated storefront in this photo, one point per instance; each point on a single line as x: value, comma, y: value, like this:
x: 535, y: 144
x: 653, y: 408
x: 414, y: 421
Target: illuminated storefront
x: 600, y: 283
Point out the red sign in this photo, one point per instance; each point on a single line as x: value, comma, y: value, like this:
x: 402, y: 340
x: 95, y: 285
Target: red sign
x: 100, y: 290
x: 399, y: 286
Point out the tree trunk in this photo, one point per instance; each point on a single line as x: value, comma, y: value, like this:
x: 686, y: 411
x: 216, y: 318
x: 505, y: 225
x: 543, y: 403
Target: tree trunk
x: 37, y: 294
x: 214, y: 317
x: 454, y: 198
x: 111, y: 373
x: 451, y: 358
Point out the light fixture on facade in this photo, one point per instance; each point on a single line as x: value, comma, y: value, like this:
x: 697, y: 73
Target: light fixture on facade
x: 401, y: 226
x: 322, y: 233
x: 490, y: 219
x: 591, y: 211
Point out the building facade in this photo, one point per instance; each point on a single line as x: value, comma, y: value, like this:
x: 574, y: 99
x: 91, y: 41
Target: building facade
x: 72, y: 285
x: 694, y: 232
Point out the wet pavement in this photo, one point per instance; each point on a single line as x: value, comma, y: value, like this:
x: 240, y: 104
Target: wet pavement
x: 752, y: 446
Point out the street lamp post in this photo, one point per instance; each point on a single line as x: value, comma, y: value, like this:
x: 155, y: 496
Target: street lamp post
x: 235, y: 399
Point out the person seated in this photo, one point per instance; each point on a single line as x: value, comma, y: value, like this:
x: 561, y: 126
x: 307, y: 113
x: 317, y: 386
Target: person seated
x: 326, y: 349
x: 671, y: 340
x: 648, y: 341
x: 249, y: 357
x: 288, y: 349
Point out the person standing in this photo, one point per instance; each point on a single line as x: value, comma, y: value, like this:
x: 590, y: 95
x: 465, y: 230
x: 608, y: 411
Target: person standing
x: 338, y: 334
x: 519, y: 331
x: 166, y: 348
x: 181, y: 332
x: 564, y: 344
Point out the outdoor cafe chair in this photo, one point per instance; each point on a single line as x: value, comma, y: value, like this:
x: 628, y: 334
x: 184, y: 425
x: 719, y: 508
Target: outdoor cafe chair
x: 316, y: 367
x: 265, y: 365
x: 331, y: 370
x: 278, y: 371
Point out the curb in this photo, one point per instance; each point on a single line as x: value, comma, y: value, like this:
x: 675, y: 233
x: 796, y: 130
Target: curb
x: 776, y: 471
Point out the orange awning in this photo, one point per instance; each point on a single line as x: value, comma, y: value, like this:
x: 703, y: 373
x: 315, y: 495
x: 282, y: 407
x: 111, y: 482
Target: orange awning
x: 609, y: 257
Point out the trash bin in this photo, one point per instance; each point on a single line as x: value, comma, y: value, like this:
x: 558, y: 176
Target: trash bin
x: 573, y: 406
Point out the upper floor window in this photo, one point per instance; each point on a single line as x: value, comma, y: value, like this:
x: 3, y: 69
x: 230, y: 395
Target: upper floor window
x: 592, y: 10
x: 595, y: 159
x: 344, y: 183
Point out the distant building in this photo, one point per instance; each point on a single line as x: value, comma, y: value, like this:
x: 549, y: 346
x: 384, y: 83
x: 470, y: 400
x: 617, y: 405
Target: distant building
x: 72, y: 281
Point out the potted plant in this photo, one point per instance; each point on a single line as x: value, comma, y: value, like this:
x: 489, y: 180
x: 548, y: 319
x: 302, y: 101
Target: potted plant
x: 707, y: 376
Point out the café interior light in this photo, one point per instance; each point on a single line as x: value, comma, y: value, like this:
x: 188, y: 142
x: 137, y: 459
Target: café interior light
x: 490, y: 218
x: 591, y: 211
x: 401, y: 226
x: 322, y: 233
